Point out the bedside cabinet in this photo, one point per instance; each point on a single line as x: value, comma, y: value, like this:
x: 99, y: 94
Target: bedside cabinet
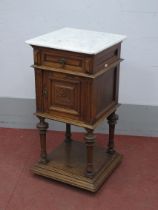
x: 77, y: 82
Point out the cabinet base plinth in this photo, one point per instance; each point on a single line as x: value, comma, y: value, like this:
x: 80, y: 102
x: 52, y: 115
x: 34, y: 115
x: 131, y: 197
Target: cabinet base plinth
x: 67, y: 164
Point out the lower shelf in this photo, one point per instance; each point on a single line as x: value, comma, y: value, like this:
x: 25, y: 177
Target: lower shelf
x: 67, y: 164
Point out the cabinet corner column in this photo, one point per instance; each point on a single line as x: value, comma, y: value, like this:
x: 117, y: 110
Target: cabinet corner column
x: 43, y: 126
x: 90, y: 140
x: 112, y: 120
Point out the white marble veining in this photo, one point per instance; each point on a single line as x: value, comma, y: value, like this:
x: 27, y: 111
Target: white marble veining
x: 77, y: 40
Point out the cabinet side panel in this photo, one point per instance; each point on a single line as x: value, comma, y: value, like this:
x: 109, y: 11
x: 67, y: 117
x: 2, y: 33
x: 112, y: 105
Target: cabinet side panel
x: 106, y: 92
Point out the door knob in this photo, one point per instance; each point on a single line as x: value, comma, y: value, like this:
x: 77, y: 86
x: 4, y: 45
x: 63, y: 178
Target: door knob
x: 45, y: 92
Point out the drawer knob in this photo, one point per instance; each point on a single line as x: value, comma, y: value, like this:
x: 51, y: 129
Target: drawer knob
x: 45, y: 92
x: 106, y: 65
x: 62, y: 61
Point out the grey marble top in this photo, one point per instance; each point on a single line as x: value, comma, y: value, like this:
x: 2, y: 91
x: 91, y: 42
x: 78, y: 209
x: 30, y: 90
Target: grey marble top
x: 77, y: 40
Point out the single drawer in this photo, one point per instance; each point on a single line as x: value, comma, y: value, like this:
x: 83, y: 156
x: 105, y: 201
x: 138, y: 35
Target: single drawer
x: 76, y: 62
x: 62, y: 60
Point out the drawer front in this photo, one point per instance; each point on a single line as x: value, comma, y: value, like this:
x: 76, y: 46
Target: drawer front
x: 76, y: 62
x: 63, y: 95
x: 107, y: 57
x: 62, y: 60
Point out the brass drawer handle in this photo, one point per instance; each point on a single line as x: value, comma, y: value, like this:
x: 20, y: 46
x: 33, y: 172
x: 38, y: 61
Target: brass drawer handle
x: 62, y: 61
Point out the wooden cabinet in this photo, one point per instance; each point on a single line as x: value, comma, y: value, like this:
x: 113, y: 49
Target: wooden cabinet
x: 64, y: 89
x: 78, y: 84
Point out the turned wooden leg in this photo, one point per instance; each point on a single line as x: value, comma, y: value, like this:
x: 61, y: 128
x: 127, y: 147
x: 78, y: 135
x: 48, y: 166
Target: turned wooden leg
x: 112, y: 119
x: 42, y: 126
x: 90, y: 139
x: 68, y: 133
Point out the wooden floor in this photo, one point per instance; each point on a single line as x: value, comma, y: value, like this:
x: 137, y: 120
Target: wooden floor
x: 133, y: 186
